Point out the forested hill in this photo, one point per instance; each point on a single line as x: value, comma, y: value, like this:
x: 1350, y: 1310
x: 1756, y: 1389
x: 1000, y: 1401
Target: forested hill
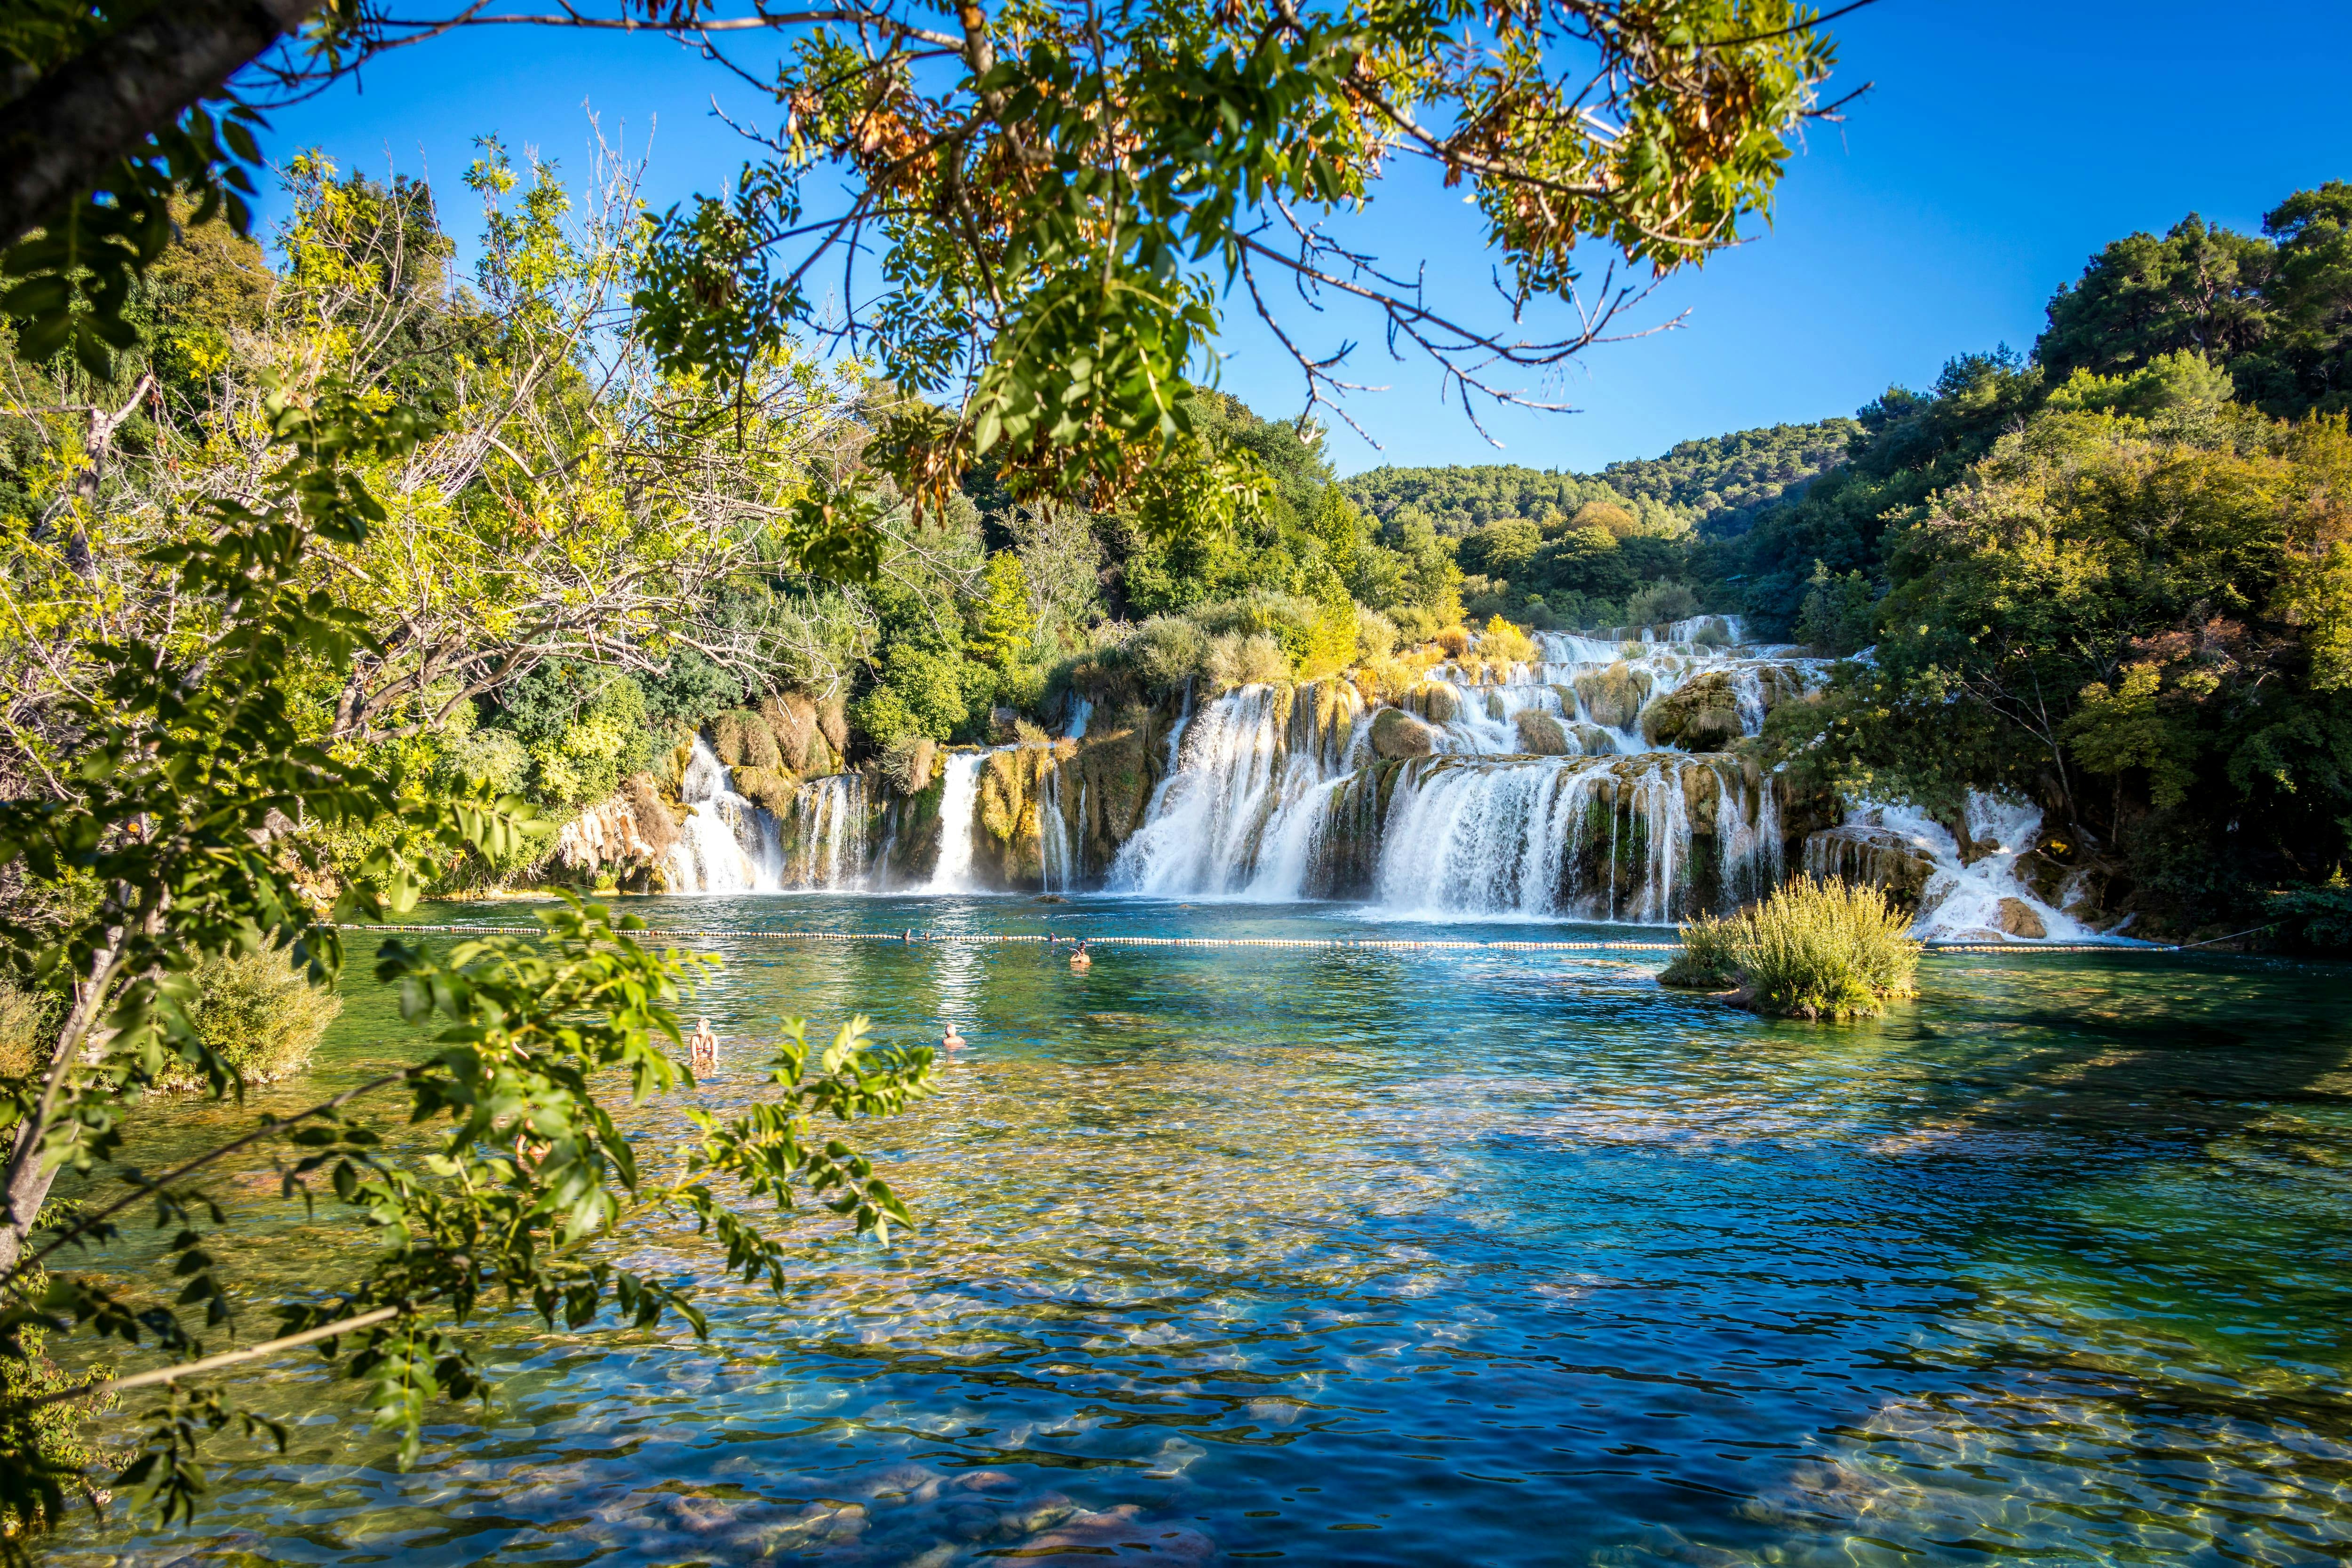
x: 1717, y: 483
x: 1721, y: 481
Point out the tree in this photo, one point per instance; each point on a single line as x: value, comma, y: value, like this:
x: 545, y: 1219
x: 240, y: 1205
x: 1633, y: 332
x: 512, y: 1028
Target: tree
x: 2198, y: 289
x: 1055, y: 206
x: 193, y: 829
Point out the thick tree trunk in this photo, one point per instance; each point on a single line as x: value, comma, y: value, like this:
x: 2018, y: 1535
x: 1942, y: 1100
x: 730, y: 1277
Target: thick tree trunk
x: 60, y: 132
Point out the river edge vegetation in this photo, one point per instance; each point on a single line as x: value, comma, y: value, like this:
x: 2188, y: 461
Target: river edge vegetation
x: 269, y: 578
x: 1812, y: 948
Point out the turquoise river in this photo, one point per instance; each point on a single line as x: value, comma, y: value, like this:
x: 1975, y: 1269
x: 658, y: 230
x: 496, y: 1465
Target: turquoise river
x: 1357, y: 1255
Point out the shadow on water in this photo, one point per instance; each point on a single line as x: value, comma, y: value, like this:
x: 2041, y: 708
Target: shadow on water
x: 1369, y: 1257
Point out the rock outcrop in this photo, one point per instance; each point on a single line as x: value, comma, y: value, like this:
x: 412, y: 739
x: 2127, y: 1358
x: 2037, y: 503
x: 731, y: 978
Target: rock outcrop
x: 1871, y: 856
x: 1541, y: 735
x: 1613, y: 697
x: 624, y: 834
x: 1397, y: 735
x: 1701, y: 716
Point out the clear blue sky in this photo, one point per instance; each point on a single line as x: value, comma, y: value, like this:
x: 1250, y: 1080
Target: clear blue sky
x: 2002, y: 143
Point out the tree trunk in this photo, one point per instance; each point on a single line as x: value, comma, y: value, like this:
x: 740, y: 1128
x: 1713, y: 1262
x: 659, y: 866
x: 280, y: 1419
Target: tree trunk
x: 57, y: 136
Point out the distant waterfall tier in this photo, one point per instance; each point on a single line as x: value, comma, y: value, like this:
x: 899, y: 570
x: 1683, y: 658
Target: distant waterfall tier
x: 1651, y: 837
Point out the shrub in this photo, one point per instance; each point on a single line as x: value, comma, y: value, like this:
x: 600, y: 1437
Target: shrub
x: 2315, y: 919
x: 906, y: 762
x: 744, y: 739
x: 1169, y: 651
x: 1376, y: 635
x: 1454, y: 641
x: 263, y: 1018
x: 1815, y: 950
x: 1241, y: 659
x: 1660, y: 602
x: 1414, y: 623
x: 25, y: 1022
x: 1504, y: 644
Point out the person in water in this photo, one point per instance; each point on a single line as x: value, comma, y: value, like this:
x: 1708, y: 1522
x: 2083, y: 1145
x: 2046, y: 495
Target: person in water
x: 702, y: 1047
x: 1078, y: 959
x: 951, y: 1041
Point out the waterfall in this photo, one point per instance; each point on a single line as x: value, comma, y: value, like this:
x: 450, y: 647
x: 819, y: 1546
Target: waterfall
x: 1235, y: 812
x: 1961, y: 897
x: 828, y: 845
x: 1057, y: 867
x: 1273, y: 792
x: 958, y: 799
x: 726, y: 844
x: 1081, y: 710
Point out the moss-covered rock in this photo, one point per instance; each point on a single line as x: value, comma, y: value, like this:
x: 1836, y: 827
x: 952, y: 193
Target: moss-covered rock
x: 801, y: 739
x: 770, y: 789
x: 1433, y: 701
x: 1871, y: 856
x: 1541, y: 735
x: 1613, y: 697
x: 744, y: 739
x: 1702, y: 715
x: 1396, y: 734
x: 1591, y: 739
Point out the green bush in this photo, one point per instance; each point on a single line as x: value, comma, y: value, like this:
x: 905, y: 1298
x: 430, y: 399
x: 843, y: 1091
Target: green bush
x: 24, y: 1022
x: 1169, y: 651
x: 263, y: 1018
x: 1244, y: 658
x: 1815, y: 950
x: 2317, y: 919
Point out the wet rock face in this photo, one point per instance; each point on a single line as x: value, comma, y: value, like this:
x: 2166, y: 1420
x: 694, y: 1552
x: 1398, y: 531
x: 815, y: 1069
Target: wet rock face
x: 1540, y: 735
x: 1592, y: 740
x: 627, y: 834
x: 1396, y: 734
x: 1873, y: 857
x: 1703, y: 716
x: 1615, y: 696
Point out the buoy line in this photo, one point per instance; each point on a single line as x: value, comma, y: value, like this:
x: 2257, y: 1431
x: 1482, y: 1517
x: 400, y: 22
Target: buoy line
x: 1366, y: 944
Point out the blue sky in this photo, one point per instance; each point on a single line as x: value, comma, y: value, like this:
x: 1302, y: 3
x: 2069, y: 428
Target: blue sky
x: 2001, y: 144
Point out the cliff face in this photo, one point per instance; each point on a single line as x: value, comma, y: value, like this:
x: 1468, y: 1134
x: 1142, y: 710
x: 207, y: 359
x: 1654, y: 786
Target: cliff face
x: 622, y: 838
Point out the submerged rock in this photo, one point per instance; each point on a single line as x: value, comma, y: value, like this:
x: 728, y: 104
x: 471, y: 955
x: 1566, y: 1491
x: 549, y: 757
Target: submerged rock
x: 1396, y: 734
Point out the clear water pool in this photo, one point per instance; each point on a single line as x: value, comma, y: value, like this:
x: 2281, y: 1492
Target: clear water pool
x: 1360, y: 1257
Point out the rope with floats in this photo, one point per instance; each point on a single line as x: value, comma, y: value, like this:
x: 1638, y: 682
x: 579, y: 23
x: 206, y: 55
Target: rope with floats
x: 1343, y: 944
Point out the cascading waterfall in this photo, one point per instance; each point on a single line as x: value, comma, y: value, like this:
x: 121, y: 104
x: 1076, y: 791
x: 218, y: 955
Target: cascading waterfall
x: 959, y: 798
x: 1058, y: 867
x: 1253, y: 773
x: 826, y: 846
x: 1257, y: 806
x: 726, y: 844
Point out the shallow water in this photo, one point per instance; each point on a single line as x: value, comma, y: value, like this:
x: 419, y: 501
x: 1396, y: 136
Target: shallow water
x: 1373, y: 1257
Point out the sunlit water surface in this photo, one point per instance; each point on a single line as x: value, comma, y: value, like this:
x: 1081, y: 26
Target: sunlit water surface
x: 1426, y: 1258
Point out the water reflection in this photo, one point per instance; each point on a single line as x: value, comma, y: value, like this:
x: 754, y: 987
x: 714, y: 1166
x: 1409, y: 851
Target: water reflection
x: 1372, y: 1256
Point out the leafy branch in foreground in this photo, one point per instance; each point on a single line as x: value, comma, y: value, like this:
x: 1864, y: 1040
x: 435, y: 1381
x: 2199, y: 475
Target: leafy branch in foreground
x: 192, y: 826
x: 1032, y: 221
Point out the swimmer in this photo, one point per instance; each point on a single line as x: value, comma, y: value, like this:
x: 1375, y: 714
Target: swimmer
x: 951, y: 1041
x: 1078, y: 959
x: 702, y: 1047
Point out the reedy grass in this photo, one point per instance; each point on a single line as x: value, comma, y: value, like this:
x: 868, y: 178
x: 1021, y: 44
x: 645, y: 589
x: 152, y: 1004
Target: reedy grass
x: 1818, y: 948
